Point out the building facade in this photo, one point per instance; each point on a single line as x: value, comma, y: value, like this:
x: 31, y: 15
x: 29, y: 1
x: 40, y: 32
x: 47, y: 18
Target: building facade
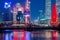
x: 48, y: 10
x: 58, y: 9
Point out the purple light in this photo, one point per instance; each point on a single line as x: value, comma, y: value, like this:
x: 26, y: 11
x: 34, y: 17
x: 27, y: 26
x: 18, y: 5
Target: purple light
x: 28, y: 36
x: 11, y: 35
x: 6, y: 37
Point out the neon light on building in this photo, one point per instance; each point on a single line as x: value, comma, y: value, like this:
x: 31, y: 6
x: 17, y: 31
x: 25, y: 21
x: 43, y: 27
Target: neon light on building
x: 54, y: 17
x: 54, y: 20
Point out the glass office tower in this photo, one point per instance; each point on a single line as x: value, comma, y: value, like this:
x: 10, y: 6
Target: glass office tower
x: 58, y: 9
x: 48, y: 10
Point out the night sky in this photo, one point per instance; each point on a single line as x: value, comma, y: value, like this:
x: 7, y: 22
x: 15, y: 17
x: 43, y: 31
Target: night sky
x: 36, y: 5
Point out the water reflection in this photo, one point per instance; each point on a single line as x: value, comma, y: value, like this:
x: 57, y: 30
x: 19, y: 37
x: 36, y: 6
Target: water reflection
x: 33, y: 35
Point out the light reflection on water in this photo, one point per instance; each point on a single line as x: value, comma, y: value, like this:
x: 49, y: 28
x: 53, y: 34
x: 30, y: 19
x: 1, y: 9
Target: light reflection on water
x: 28, y: 35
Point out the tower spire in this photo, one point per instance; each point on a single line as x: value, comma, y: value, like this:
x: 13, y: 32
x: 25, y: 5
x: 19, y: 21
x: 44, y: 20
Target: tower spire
x: 27, y: 12
x: 27, y: 6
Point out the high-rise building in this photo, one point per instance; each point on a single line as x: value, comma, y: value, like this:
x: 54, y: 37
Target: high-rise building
x: 58, y: 6
x: 42, y: 19
x: 14, y: 15
x: 40, y: 14
x: 58, y: 9
x: 54, y: 16
x: 48, y: 10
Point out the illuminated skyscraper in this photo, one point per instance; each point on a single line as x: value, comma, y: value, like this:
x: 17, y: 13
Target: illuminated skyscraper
x: 14, y: 15
x: 58, y: 6
x: 54, y: 16
x: 41, y: 14
x: 51, y: 11
x: 42, y: 19
x: 58, y: 9
x: 48, y: 10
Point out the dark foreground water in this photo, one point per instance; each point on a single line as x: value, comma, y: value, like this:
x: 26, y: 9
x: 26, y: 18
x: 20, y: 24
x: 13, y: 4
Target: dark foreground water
x: 30, y: 35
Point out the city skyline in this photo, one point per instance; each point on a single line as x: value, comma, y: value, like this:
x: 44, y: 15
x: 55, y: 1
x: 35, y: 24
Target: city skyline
x: 39, y: 5
x: 35, y: 6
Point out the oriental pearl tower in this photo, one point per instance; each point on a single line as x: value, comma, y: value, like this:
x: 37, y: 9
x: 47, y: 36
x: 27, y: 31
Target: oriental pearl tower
x: 27, y: 12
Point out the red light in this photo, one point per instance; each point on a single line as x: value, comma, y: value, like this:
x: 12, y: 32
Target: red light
x: 54, y: 15
x: 15, y: 35
x: 22, y: 35
x: 54, y: 35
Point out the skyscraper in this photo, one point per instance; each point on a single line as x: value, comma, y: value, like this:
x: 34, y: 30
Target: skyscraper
x: 54, y: 17
x: 58, y: 6
x: 48, y: 10
x: 58, y: 9
x: 14, y: 14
